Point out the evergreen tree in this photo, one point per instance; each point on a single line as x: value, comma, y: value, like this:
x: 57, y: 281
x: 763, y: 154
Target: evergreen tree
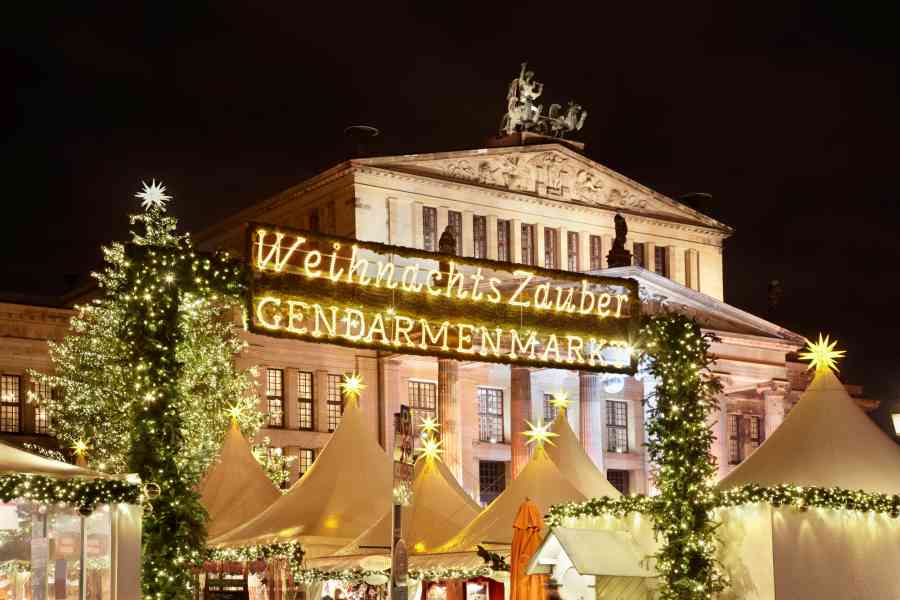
x: 147, y: 379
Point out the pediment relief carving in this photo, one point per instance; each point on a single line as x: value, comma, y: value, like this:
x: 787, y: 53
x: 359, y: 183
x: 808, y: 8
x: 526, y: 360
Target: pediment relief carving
x: 548, y: 174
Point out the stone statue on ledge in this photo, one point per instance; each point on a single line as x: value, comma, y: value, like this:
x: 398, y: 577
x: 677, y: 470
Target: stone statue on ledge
x: 618, y: 256
x: 447, y: 243
x: 524, y: 114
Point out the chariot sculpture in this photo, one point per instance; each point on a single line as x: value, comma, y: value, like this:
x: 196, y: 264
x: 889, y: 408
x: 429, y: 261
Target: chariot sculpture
x: 523, y: 113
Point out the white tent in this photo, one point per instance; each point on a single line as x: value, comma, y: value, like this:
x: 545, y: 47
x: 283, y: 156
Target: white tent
x: 440, y: 507
x: 14, y: 460
x: 235, y: 488
x: 784, y: 553
x: 575, y: 464
x: 347, y: 489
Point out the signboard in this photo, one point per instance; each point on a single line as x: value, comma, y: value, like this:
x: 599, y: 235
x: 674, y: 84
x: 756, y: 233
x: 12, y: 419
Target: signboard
x: 315, y: 287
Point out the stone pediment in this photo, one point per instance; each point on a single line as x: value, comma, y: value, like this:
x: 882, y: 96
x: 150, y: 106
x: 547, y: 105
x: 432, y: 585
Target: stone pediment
x: 548, y: 171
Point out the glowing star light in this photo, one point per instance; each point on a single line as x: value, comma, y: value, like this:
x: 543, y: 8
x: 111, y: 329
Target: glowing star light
x: 539, y: 434
x: 153, y: 195
x: 429, y: 426
x: 431, y: 449
x: 235, y: 412
x: 352, y: 386
x: 80, y: 448
x: 560, y: 400
x: 821, y: 354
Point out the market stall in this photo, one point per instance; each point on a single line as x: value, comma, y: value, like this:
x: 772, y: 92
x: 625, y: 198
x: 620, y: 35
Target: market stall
x: 67, y: 532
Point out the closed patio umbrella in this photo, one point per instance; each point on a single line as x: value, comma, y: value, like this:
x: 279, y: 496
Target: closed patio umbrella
x: 526, y: 540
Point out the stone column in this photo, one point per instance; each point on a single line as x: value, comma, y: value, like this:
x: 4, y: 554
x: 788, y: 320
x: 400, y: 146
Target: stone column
x: 520, y: 409
x: 675, y: 256
x: 448, y: 410
x: 492, y: 237
x: 591, y: 409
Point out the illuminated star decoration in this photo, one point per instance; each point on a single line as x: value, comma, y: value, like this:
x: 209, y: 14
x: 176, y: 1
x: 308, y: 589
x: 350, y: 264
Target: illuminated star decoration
x: 539, y: 434
x: 429, y: 426
x: 235, y: 412
x: 822, y: 354
x: 431, y: 448
x: 352, y: 386
x: 560, y: 400
x: 80, y: 448
x: 153, y: 195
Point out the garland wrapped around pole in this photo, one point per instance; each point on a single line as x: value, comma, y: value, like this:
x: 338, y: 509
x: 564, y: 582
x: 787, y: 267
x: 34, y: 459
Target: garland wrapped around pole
x: 679, y: 442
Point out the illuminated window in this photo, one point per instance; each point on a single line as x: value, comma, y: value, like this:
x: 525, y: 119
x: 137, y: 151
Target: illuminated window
x: 10, y: 404
x: 661, y: 260
x: 305, y: 401
x: 490, y: 415
x: 503, y: 240
x: 454, y: 222
x: 479, y: 230
x: 305, y: 459
x: 491, y: 480
x: 551, y: 248
x: 275, y: 397
x: 596, y: 252
x: 617, y: 425
x: 41, y: 412
x: 549, y: 409
x: 527, y: 244
x: 734, y: 439
x: 335, y: 402
x: 422, y: 401
x: 429, y: 228
x: 637, y: 253
x: 572, y: 247
x: 618, y: 479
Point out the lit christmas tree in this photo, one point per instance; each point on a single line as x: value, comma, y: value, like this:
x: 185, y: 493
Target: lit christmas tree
x: 147, y: 377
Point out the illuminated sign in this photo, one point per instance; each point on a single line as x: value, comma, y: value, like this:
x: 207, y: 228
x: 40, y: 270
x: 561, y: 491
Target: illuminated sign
x: 323, y: 288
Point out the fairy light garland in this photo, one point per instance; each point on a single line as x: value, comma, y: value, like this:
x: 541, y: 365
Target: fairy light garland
x: 84, y: 494
x: 359, y: 575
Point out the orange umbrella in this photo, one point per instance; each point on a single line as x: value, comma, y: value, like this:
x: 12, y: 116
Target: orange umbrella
x: 526, y: 539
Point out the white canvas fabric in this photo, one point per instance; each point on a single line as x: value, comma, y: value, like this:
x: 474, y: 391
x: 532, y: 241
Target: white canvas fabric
x: 440, y: 507
x: 14, y: 460
x: 826, y: 440
x: 345, y: 491
x: 575, y: 464
x: 235, y: 488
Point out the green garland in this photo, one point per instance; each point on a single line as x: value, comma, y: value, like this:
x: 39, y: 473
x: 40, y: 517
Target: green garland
x: 604, y: 506
x: 358, y: 575
x: 292, y: 552
x: 85, y: 494
x: 679, y: 444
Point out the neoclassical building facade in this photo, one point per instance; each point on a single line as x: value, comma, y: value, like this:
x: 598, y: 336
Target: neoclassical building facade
x: 542, y: 204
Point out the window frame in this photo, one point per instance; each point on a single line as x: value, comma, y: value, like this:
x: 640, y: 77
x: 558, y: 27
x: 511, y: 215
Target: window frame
x: 300, y: 461
x: 551, y: 248
x: 573, y: 250
x: 412, y: 399
x: 42, y: 392
x: 276, y: 398
x: 615, y: 409
x: 528, y: 249
x: 429, y: 228
x: 596, y: 249
x: 489, y: 421
x: 308, y: 403
x: 639, y: 254
x: 334, y: 398
x: 491, y: 489
x: 454, y: 222
x: 626, y: 480
x: 13, y: 408
x: 661, y: 267
x: 479, y: 235
x: 549, y: 412
x: 504, y: 240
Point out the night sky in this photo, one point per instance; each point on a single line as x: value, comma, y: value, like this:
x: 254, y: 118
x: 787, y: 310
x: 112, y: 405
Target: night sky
x: 787, y: 117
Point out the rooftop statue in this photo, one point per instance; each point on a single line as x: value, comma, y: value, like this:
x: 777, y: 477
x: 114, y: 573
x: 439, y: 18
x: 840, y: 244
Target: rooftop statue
x: 524, y: 114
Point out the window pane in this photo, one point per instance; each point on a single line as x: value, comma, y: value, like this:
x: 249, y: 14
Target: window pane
x: 549, y: 409
x: 491, y: 480
x: 490, y: 415
x: 305, y: 459
x: 43, y: 394
x: 572, y: 246
x: 637, y: 253
x: 527, y: 244
x: 429, y: 228
x: 479, y: 226
x: 617, y: 425
x: 335, y: 402
x: 503, y: 240
x: 10, y: 409
x: 618, y: 479
x: 275, y: 397
x: 454, y: 221
x: 422, y: 402
x: 596, y: 252
x: 660, y: 262
x: 734, y: 439
x: 551, y: 248
x: 305, y: 400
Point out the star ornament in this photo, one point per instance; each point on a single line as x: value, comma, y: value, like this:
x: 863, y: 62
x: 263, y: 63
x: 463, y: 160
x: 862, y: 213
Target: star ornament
x: 431, y: 449
x: 80, y: 448
x: 153, y: 196
x: 560, y: 400
x: 539, y: 434
x: 821, y: 354
x: 429, y: 426
x: 352, y: 386
x: 236, y: 412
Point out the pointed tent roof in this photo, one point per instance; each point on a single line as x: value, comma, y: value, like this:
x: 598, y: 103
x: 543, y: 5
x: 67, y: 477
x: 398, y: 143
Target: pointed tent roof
x: 575, y: 464
x: 15, y: 460
x: 347, y: 488
x: 540, y: 480
x: 235, y: 488
x: 440, y: 507
x: 826, y: 440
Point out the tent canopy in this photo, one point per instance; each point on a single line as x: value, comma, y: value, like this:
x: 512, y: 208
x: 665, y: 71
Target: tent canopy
x: 235, y: 488
x: 440, y: 507
x: 576, y: 465
x: 14, y: 460
x: 347, y: 489
x: 620, y: 556
x: 826, y: 441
